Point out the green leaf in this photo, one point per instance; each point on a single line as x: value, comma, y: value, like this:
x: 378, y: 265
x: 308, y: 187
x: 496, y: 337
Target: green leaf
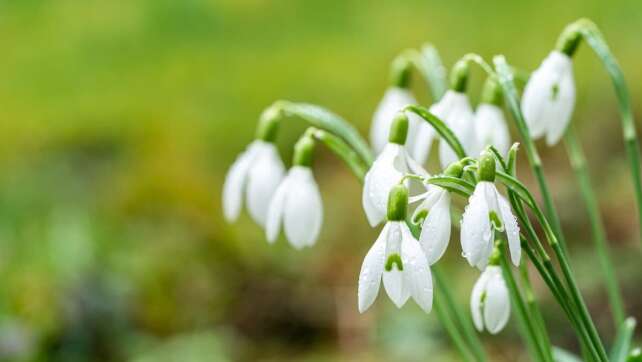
x: 444, y: 131
x: 342, y: 150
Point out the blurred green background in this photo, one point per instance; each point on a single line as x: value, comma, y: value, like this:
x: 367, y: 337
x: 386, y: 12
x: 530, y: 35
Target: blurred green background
x: 118, y: 122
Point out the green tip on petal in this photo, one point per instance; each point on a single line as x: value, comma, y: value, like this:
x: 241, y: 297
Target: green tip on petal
x: 420, y: 216
x: 495, y: 256
x: 495, y: 221
x: 392, y: 260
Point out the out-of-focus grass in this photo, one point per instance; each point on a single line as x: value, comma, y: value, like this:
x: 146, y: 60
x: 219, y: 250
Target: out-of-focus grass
x: 120, y: 118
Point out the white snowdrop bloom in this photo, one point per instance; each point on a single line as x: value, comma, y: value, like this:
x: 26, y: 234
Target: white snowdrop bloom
x: 489, y: 302
x: 255, y: 175
x: 387, y: 170
x: 297, y: 204
x: 397, y: 258
x: 394, y: 100
x: 491, y: 128
x: 436, y: 226
x: 549, y: 97
x: 455, y: 110
x: 487, y: 211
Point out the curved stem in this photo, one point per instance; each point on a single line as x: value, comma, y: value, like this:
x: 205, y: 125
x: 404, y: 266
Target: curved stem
x: 595, y: 40
x: 342, y: 150
x: 324, y: 119
x: 578, y: 163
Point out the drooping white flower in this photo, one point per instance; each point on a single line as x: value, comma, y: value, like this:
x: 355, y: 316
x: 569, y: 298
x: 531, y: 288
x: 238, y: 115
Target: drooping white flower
x: 549, y: 97
x: 491, y: 128
x: 486, y: 212
x: 394, y: 100
x: 436, y: 227
x: 387, y: 170
x: 297, y: 204
x: 255, y: 175
x: 489, y: 302
x: 455, y: 111
x: 397, y: 258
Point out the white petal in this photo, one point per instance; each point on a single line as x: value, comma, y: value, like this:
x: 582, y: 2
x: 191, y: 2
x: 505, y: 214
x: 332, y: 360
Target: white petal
x: 435, y: 232
x: 476, y: 232
x: 549, y: 97
x: 393, y: 101
x: 475, y: 300
x: 491, y: 129
x: 275, y: 211
x: 566, y: 103
x: 497, y: 303
x: 265, y: 175
x: 235, y: 182
x: 385, y: 172
x: 393, y: 280
x: 421, y: 148
x: 303, y: 213
x: 418, y: 278
x: 512, y: 229
x: 371, y: 270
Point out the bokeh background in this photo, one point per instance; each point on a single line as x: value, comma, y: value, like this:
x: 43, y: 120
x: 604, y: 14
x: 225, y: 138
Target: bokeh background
x: 119, y: 119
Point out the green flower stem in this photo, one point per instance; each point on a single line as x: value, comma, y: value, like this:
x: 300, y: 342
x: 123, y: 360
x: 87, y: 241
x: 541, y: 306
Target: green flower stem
x: 342, y: 150
x: 453, y: 331
x: 322, y: 118
x: 442, y: 129
x: 578, y: 163
x: 533, y: 308
x: 506, y: 80
x: 593, y: 37
x: 563, y: 261
x: 522, y: 312
x: 463, y: 322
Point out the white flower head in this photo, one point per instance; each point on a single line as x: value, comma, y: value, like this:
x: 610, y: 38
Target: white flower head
x: 549, y: 97
x: 297, y: 205
x: 455, y: 110
x: 436, y: 225
x: 392, y: 164
x: 255, y: 175
x: 394, y: 100
x: 491, y: 128
x: 487, y: 211
x: 489, y: 302
x: 397, y: 258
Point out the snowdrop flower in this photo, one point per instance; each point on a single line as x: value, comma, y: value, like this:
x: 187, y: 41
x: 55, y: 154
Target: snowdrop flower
x: 255, y: 174
x: 489, y: 302
x: 487, y: 212
x: 392, y: 164
x: 394, y: 100
x: 455, y: 110
x: 490, y: 123
x: 549, y: 97
x: 397, y: 97
x: 397, y: 258
x: 297, y: 201
x: 434, y: 209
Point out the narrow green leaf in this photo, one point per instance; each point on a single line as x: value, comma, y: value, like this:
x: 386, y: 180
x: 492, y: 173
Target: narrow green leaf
x: 444, y: 131
x: 622, y: 343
